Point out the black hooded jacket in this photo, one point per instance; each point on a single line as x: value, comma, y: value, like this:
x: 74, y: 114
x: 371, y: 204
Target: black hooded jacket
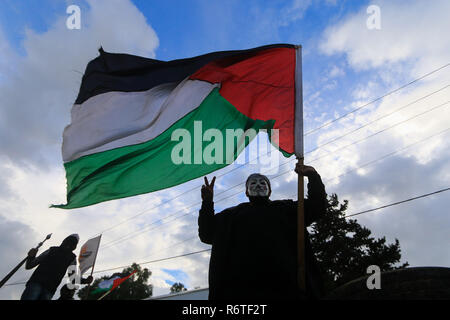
x: 254, y: 248
x: 53, y: 265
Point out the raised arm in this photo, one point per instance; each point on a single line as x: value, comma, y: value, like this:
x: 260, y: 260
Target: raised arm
x: 32, y: 261
x: 316, y: 202
x: 206, y: 214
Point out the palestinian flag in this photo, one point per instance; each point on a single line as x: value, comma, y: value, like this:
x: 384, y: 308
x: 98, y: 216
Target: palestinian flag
x: 111, y: 283
x: 132, y: 117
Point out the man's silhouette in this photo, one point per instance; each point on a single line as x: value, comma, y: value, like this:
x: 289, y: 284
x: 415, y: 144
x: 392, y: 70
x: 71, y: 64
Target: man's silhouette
x: 52, y: 266
x: 254, y: 244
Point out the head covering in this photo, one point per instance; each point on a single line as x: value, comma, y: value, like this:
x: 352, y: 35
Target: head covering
x: 75, y: 235
x: 257, y: 175
x: 71, y: 241
x: 254, y: 175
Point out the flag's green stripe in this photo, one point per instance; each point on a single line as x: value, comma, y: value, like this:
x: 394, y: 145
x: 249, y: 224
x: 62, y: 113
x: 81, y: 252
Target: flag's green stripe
x: 100, y: 290
x: 148, y: 166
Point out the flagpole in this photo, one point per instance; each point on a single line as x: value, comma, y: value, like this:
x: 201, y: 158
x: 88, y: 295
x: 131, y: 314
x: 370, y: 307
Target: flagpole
x: 13, y: 271
x: 300, y: 158
x: 115, y: 287
x: 104, y: 295
x: 93, y: 266
x: 301, y: 231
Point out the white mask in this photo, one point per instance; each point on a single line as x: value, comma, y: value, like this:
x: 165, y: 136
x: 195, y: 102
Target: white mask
x: 257, y: 186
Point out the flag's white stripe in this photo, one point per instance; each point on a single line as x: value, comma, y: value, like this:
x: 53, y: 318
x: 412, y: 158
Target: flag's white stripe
x: 107, y: 283
x: 117, y: 119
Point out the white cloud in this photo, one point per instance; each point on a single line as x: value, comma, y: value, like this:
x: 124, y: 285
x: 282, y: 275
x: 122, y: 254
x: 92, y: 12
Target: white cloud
x: 41, y: 86
x: 336, y: 72
x: 412, y: 42
x: 295, y: 11
x: 17, y: 239
x: 32, y: 176
x: 414, y: 31
x: 37, y: 91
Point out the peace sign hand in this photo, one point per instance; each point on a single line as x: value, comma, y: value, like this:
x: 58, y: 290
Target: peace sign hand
x: 208, y: 190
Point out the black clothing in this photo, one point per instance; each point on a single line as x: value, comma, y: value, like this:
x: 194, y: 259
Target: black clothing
x: 66, y: 293
x: 53, y: 267
x: 254, y: 247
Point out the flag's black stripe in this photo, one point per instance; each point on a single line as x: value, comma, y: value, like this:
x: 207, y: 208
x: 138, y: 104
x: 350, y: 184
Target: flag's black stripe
x: 128, y: 73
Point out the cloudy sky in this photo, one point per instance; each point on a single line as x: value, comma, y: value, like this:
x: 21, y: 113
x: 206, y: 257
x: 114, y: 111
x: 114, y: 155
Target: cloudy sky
x: 350, y: 59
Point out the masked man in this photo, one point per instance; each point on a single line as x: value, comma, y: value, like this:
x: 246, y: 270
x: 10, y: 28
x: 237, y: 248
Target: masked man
x: 254, y: 244
x: 53, y: 264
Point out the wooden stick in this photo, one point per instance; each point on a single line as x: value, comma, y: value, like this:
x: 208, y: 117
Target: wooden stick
x: 9, y: 275
x: 301, y: 232
x: 104, y: 295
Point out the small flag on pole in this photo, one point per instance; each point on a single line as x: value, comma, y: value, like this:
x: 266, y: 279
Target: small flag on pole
x: 111, y: 283
x: 88, y: 254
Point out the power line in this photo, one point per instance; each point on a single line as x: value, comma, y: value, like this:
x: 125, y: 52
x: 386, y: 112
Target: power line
x: 326, y: 124
x: 355, y: 142
x: 390, y: 154
x: 131, y: 236
x: 369, y: 136
x: 158, y: 260
x: 142, y: 230
x: 142, y: 263
x: 307, y: 133
x: 359, y: 213
x: 385, y: 156
x: 173, y: 245
x: 347, y: 216
x: 14, y: 283
x: 399, y: 202
x: 375, y: 100
x: 177, y: 196
x: 382, y: 117
x: 376, y: 133
x: 206, y: 250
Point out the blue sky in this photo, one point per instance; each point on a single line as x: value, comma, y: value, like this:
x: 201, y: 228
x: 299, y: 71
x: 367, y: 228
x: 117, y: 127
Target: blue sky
x: 190, y: 28
x: 177, y: 274
x: 16, y: 16
x: 345, y: 65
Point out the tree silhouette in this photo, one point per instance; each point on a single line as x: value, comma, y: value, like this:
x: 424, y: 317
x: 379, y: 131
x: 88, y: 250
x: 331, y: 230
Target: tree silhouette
x: 344, y: 249
x: 177, y: 287
x: 134, y: 288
